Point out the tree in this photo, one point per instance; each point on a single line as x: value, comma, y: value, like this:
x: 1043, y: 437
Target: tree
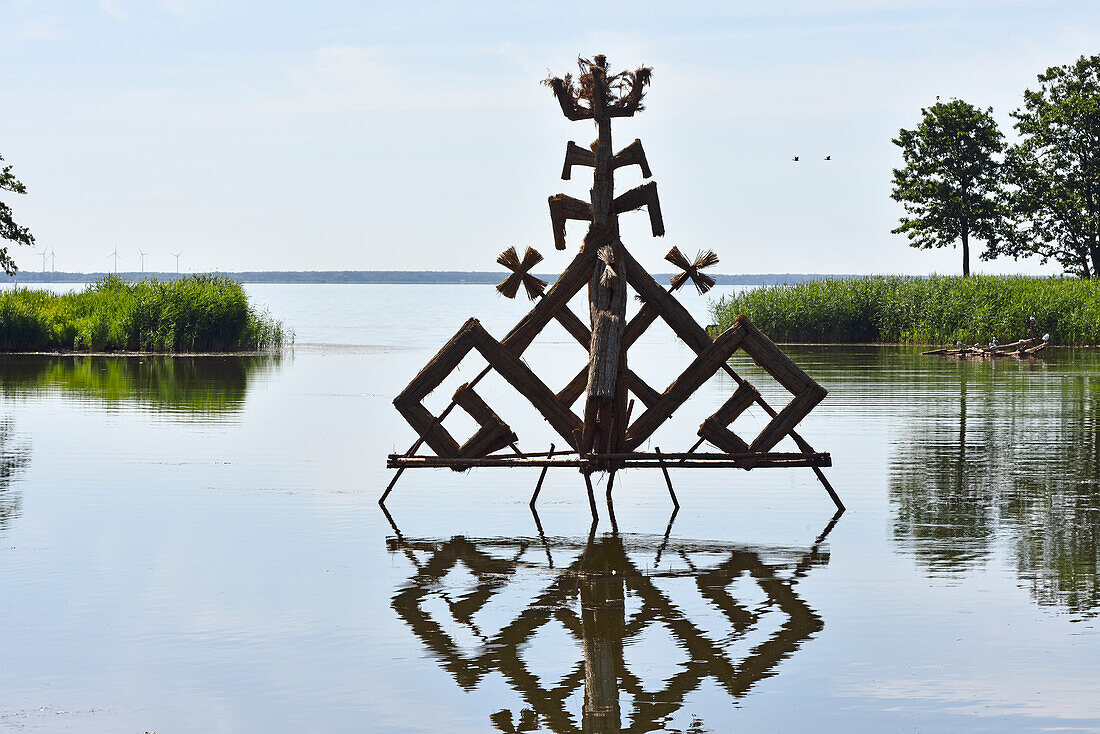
x: 9, y: 230
x: 1054, y: 171
x: 951, y: 181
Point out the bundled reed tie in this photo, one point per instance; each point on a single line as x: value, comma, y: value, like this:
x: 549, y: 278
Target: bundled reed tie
x: 521, y: 273
x: 692, y: 270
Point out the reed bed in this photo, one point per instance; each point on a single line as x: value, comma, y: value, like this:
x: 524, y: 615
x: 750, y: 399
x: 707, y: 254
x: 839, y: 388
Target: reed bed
x: 933, y: 310
x: 201, y: 313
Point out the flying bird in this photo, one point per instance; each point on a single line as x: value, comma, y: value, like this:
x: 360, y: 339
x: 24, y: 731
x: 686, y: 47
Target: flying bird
x: 795, y: 159
x: 828, y: 157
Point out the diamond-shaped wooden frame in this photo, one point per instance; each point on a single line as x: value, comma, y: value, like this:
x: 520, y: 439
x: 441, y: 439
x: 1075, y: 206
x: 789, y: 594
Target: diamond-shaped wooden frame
x: 472, y: 336
x: 711, y: 354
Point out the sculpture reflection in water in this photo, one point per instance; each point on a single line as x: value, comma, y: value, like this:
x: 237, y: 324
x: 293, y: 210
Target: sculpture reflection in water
x: 606, y: 597
x: 14, y: 456
x: 1008, y: 460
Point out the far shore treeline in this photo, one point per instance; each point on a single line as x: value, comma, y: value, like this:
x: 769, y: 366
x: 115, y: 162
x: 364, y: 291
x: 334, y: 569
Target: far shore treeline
x: 202, y: 313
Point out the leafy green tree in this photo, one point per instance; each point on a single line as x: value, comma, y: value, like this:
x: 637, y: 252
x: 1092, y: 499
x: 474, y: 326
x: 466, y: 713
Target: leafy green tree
x: 951, y: 180
x: 1054, y: 171
x: 9, y: 230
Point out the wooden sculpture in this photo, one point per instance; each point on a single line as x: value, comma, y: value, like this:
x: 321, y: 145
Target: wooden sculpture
x: 604, y: 437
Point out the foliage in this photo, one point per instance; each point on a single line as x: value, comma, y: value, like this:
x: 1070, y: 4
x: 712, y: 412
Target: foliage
x: 9, y: 230
x: 200, y: 313
x: 1054, y: 171
x: 203, y: 385
x: 933, y: 310
x: 950, y: 181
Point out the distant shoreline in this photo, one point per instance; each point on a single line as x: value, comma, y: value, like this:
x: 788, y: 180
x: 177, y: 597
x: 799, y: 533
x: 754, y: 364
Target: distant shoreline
x: 397, y: 277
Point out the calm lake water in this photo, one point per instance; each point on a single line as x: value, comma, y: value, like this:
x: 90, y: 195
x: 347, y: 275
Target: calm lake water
x: 194, y: 545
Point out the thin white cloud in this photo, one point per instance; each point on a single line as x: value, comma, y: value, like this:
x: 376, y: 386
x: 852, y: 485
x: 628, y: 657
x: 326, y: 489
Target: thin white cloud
x: 342, y: 78
x: 42, y: 28
x: 114, y: 9
x: 182, y: 8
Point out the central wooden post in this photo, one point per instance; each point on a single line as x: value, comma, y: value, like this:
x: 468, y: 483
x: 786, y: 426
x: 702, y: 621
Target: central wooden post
x: 605, y: 405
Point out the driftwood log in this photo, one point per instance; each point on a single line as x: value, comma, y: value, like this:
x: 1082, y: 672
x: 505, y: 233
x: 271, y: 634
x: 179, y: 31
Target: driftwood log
x: 1019, y: 348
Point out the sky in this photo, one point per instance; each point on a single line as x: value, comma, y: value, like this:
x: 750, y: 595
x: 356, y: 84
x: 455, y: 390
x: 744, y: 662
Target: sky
x: 416, y: 136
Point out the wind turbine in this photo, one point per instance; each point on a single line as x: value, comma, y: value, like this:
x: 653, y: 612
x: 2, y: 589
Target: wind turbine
x: 43, y: 254
x: 53, y: 260
x: 115, y: 256
x: 177, y: 256
x: 143, y: 254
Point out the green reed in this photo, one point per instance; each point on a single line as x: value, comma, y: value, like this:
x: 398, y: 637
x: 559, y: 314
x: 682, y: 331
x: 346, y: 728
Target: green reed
x: 200, y: 313
x: 933, y: 310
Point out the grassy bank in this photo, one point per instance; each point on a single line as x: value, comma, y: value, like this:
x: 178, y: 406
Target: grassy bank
x: 196, y: 314
x: 934, y: 310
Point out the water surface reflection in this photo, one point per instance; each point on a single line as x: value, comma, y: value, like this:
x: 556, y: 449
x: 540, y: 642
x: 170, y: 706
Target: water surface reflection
x: 612, y: 634
x: 204, y: 386
x: 1003, y: 458
x: 14, y: 455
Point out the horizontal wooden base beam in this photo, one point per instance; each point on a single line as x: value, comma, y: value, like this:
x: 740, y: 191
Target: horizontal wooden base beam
x: 750, y: 460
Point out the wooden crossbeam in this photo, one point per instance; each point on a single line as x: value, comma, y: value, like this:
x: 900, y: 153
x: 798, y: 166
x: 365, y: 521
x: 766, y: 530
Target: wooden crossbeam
x: 564, y: 207
x: 575, y: 388
x: 635, y: 459
x: 700, y: 370
x: 494, y: 433
x: 644, y: 195
x: 520, y: 376
x: 575, y: 155
x: 665, y: 306
x: 641, y: 389
x: 715, y: 428
x: 631, y: 155
x: 574, y: 278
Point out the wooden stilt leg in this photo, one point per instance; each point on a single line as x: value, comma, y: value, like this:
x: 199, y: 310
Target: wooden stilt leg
x: 829, y: 488
x: 542, y: 476
x: 389, y: 488
x: 591, y: 498
x: 610, y: 504
x: 668, y: 481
